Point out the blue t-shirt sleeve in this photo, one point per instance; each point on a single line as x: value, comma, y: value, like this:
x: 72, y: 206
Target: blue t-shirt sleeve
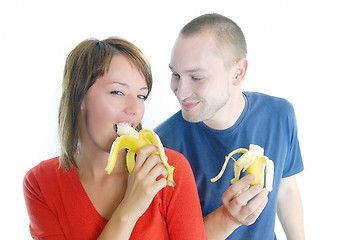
x: 294, y: 162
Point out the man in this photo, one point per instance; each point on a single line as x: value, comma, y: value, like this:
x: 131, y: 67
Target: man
x: 208, y: 65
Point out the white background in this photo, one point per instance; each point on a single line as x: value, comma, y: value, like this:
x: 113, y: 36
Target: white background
x: 306, y: 51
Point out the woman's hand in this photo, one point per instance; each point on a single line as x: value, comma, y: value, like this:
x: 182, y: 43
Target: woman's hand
x: 143, y: 183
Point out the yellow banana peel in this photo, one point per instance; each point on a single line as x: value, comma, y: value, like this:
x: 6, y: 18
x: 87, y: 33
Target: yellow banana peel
x: 132, y: 140
x: 254, y: 161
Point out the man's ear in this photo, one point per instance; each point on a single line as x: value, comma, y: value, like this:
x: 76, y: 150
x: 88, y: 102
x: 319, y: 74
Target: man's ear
x: 240, y: 71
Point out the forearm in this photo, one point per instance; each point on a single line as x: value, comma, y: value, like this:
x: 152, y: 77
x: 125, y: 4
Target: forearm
x: 120, y: 226
x: 290, y: 209
x: 217, y: 226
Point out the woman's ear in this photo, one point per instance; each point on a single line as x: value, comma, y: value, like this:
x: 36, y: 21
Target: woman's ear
x: 82, y: 106
x: 240, y: 71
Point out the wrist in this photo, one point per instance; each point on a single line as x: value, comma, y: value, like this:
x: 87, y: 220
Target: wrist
x: 219, y: 225
x: 124, y: 215
x: 119, y: 226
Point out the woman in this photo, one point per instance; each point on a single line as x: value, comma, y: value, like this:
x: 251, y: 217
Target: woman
x: 72, y: 196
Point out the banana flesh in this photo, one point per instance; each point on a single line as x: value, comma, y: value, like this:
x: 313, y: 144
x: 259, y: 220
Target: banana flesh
x: 254, y: 161
x: 134, y: 141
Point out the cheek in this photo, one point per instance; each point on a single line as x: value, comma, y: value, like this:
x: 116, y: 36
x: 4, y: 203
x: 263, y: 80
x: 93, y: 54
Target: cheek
x: 174, y: 85
x: 204, y: 90
x: 99, y: 115
x: 101, y: 108
x: 141, y: 112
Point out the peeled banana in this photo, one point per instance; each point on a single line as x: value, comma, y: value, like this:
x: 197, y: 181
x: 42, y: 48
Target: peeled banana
x: 254, y: 161
x: 133, y: 141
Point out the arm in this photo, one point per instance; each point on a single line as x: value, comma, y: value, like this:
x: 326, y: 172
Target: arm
x: 236, y: 210
x: 142, y: 187
x: 290, y: 209
x: 43, y: 222
x: 184, y: 215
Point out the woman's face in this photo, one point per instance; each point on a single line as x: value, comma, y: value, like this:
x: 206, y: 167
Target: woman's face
x: 118, y: 96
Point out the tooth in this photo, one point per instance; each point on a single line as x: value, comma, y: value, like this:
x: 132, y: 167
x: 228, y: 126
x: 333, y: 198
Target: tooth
x: 133, y: 141
x: 126, y: 129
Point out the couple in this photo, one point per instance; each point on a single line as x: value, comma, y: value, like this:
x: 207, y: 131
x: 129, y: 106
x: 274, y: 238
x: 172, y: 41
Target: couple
x: 106, y: 82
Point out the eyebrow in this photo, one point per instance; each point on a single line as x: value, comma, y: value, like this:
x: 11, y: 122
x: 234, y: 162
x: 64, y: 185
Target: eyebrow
x: 126, y: 85
x: 195, y: 70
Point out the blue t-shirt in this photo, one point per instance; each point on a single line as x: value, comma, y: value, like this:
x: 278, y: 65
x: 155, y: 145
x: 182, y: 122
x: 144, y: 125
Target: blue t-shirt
x: 265, y: 121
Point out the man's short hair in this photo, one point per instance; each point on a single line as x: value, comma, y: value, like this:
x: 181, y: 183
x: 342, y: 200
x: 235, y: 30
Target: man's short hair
x: 228, y: 34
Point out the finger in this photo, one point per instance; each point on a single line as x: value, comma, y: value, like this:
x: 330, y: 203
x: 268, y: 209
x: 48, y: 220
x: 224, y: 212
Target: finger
x: 151, y: 162
x: 158, y: 171
x: 143, y: 154
x: 161, y: 171
x: 243, y: 198
x: 236, y: 188
x: 154, y: 177
x: 159, y: 184
x: 255, y: 207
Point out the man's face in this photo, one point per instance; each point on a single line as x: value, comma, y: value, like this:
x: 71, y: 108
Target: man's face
x: 200, y: 80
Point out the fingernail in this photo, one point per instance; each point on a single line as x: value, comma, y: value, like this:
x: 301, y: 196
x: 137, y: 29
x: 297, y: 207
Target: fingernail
x: 251, y: 177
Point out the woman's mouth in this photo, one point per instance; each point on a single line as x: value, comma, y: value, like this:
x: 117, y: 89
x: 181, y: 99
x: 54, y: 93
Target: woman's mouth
x: 115, y: 127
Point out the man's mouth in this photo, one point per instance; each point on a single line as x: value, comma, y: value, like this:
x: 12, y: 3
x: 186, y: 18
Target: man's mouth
x: 189, y: 105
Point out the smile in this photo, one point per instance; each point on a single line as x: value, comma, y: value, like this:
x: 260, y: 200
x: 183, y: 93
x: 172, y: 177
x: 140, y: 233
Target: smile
x: 189, y: 106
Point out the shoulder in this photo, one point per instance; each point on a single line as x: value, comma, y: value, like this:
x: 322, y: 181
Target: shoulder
x: 179, y: 162
x: 170, y: 124
x: 267, y: 102
x: 174, y: 131
x: 38, y: 178
x: 254, y: 97
x: 44, y: 167
x: 44, y: 173
x: 175, y: 158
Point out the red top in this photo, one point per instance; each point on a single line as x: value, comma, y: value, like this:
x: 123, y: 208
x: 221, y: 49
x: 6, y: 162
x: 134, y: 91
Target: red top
x: 59, y: 208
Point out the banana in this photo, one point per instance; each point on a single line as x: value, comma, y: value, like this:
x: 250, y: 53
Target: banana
x: 134, y: 141
x: 254, y: 161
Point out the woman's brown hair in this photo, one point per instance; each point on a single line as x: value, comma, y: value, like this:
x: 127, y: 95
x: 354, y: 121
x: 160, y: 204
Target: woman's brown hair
x: 88, y: 61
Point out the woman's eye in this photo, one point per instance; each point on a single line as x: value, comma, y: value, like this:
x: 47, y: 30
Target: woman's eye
x: 117, y: 93
x: 143, y: 97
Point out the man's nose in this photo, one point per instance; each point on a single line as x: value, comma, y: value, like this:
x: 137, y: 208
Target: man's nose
x: 183, y: 89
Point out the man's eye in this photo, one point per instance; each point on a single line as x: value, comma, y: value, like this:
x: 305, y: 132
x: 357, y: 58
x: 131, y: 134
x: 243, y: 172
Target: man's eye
x: 175, y: 75
x: 116, y: 92
x: 197, y: 78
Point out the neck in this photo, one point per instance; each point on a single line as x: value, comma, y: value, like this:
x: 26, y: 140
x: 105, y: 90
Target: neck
x: 92, y: 164
x: 228, y: 115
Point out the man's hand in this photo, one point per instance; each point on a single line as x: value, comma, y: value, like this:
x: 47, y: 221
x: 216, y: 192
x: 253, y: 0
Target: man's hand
x: 237, y: 210
x: 235, y: 201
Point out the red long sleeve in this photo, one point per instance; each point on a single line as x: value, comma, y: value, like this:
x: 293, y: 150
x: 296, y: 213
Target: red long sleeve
x: 59, y: 207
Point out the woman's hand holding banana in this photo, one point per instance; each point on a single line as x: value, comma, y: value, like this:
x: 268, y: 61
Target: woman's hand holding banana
x: 134, y: 141
x: 143, y: 183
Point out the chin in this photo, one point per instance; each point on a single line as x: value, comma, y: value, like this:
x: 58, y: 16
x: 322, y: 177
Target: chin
x: 192, y: 117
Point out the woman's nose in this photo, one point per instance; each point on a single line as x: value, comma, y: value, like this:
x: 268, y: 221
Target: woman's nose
x: 132, y: 105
